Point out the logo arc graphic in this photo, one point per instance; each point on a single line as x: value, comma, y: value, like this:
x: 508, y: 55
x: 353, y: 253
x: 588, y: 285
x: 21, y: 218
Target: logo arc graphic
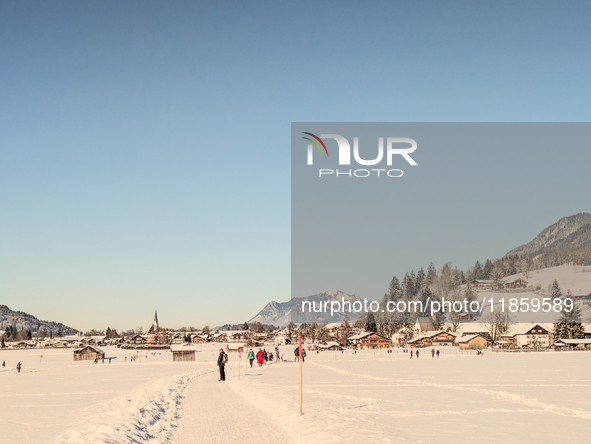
x: 318, y: 139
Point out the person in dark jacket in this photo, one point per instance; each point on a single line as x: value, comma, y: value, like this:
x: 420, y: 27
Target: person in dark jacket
x: 221, y: 364
x: 417, y: 354
x: 437, y: 353
x: 18, y: 367
x: 265, y: 356
x: 296, y: 354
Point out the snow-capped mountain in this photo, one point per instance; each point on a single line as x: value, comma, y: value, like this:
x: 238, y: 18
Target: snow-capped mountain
x: 281, y: 314
x: 22, y: 320
x: 571, y: 231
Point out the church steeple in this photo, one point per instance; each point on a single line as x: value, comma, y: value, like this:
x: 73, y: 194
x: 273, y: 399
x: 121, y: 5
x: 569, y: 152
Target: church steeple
x: 155, y: 325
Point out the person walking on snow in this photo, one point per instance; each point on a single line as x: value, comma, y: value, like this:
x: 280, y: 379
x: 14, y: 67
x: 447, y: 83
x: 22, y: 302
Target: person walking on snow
x: 222, y: 359
x: 265, y: 356
x: 432, y: 352
x: 251, y: 357
x: 296, y: 353
x: 417, y: 354
x: 437, y: 353
x: 260, y: 358
x: 18, y: 367
x: 411, y: 353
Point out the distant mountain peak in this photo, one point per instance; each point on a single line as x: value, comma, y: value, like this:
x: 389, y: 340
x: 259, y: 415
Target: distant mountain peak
x: 572, y: 231
x: 280, y: 314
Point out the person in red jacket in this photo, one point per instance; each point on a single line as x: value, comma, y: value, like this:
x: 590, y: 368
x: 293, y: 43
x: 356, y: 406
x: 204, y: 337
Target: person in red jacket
x: 260, y: 359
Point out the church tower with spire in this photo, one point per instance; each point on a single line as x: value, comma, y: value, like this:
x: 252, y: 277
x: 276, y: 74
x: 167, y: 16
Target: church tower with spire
x: 155, y: 326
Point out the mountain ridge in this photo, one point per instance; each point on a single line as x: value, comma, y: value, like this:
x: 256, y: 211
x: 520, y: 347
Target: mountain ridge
x: 570, y: 231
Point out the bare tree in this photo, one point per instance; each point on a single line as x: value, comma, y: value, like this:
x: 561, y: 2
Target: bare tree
x: 497, y: 324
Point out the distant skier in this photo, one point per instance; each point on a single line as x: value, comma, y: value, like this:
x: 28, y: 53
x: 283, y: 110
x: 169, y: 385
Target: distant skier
x: 222, y: 359
x: 432, y: 352
x: 437, y: 353
x: 251, y: 357
x: 260, y: 358
x: 18, y: 367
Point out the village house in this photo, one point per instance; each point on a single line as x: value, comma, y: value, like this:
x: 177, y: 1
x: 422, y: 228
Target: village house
x: 481, y: 284
x: 369, y: 340
x: 200, y: 339
x: 137, y: 339
x: 433, y: 338
x: 329, y: 346
x: 89, y: 352
x: 281, y: 340
x: 235, y: 347
x: 401, y: 336
x: 574, y: 344
x: 423, y: 325
x: 518, y: 283
x: 529, y: 335
x: 471, y: 342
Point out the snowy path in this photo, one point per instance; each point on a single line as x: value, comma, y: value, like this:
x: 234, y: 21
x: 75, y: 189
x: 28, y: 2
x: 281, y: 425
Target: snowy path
x: 213, y: 412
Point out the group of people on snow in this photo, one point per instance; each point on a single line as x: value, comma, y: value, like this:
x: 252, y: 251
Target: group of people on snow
x: 412, y: 352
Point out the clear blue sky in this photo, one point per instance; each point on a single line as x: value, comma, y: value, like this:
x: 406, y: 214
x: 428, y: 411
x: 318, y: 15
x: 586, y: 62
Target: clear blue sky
x: 145, y: 146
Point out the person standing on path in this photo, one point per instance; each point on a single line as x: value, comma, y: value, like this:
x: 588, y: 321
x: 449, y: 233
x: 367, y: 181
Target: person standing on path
x: 251, y: 357
x: 222, y: 359
x: 260, y: 358
x: 432, y: 352
x: 18, y: 367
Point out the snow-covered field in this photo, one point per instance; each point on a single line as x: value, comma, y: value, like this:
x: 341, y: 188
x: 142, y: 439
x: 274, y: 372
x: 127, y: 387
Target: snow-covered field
x: 364, y: 397
x: 457, y: 398
x: 55, y: 399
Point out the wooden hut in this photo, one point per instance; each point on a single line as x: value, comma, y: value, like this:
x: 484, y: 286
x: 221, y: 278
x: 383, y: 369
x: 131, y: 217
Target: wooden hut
x: 90, y: 352
x: 182, y: 353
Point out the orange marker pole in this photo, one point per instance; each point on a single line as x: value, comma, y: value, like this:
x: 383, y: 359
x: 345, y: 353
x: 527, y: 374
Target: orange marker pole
x: 301, y: 380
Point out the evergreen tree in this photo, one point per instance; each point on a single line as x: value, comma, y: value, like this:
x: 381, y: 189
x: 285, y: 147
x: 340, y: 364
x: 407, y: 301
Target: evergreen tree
x: 555, y: 291
x: 569, y: 324
x: 431, y: 275
x: 477, y: 271
x: 487, y: 269
x: 408, y: 287
x: 370, y: 324
x: 469, y: 293
x: 59, y: 332
x: 394, y: 291
x: 245, y: 326
x: 420, y: 280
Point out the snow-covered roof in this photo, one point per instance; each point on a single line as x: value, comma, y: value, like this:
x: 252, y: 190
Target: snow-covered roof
x: 181, y: 347
x: 466, y: 338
